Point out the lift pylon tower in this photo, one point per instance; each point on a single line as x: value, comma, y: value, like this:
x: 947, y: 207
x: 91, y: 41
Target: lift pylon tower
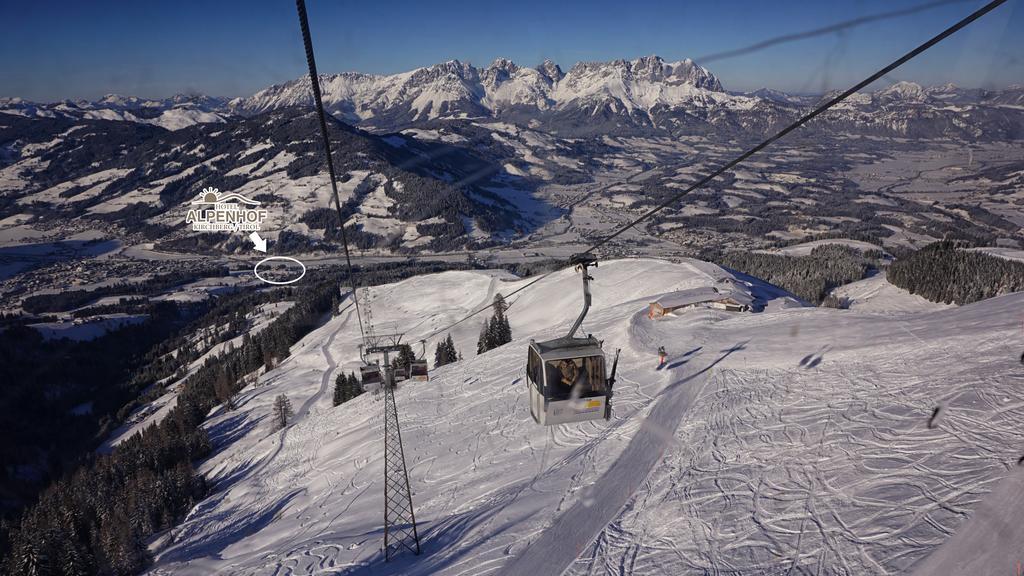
x: 399, y: 519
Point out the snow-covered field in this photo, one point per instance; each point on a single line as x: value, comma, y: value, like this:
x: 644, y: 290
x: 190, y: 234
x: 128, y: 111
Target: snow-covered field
x: 1008, y: 253
x: 87, y: 329
x: 876, y: 294
x: 805, y: 248
x: 791, y: 440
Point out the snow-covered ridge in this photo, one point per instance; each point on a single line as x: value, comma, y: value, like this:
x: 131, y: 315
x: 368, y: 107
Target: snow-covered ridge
x: 444, y: 88
x: 647, y: 90
x: 640, y: 94
x: 178, y: 111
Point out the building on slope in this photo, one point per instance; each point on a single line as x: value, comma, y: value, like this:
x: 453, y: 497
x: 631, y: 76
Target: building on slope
x: 730, y: 299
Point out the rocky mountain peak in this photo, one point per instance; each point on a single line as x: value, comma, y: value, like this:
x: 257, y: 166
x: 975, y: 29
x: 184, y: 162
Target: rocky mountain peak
x: 904, y: 91
x: 550, y: 70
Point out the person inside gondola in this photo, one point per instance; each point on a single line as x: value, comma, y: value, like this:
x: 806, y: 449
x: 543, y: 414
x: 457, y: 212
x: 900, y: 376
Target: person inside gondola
x: 574, y: 378
x: 568, y: 372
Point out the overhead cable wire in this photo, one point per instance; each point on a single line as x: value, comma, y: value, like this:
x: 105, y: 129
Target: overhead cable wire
x: 837, y: 27
x: 314, y: 81
x: 491, y: 305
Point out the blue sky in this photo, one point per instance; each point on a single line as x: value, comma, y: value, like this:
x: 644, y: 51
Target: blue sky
x: 62, y: 49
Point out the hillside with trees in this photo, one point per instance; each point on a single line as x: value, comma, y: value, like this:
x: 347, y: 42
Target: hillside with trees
x: 97, y: 519
x: 810, y: 277
x: 496, y: 330
x: 445, y: 353
x: 946, y: 272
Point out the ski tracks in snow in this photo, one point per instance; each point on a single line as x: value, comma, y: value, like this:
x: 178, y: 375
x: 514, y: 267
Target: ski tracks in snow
x: 827, y: 471
x: 565, y: 539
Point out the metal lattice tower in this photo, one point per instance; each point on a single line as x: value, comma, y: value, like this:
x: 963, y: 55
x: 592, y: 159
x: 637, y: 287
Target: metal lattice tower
x: 399, y: 519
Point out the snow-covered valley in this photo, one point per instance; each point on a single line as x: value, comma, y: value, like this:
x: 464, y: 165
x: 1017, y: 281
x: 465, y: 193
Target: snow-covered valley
x: 795, y: 439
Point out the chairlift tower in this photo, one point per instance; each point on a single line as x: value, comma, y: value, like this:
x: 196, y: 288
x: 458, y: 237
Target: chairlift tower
x: 368, y: 314
x: 399, y: 519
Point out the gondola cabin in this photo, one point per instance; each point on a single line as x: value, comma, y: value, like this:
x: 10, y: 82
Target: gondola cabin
x: 400, y: 373
x: 567, y: 381
x: 370, y: 377
x: 418, y: 371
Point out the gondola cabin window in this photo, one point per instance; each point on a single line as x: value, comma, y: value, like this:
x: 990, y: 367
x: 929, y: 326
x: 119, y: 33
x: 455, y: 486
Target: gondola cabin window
x: 575, y: 377
x: 533, y: 372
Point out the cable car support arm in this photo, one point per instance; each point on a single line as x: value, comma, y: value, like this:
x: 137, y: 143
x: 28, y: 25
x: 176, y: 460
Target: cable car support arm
x: 582, y: 262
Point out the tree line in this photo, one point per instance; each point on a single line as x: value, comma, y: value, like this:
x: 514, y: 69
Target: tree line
x: 346, y: 387
x: 445, y: 353
x: 496, y: 330
x: 810, y: 277
x: 946, y: 272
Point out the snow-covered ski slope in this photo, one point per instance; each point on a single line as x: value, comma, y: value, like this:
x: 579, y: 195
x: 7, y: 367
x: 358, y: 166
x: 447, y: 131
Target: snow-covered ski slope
x: 794, y: 439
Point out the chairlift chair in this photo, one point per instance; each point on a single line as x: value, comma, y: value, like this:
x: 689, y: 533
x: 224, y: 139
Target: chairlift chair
x: 566, y: 376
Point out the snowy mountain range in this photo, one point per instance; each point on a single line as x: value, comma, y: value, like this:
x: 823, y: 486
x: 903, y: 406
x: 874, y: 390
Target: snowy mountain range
x: 455, y: 88
x: 643, y: 94
x: 632, y: 95
x: 172, y: 113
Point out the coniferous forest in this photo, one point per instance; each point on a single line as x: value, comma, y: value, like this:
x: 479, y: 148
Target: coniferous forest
x: 445, y: 353
x: 496, y: 331
x: 946, y: 272
x: 809, y: 277
x: 346, y: 387
x: 97, y: 519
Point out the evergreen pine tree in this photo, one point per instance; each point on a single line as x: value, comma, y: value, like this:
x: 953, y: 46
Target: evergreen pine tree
x: 492, y: 333
x: 223, y: 388
x: 499, y: 332
x: 445, y: 353
x: 503, y: 333
x: 282, y: 410
x: 268, y: 358
x: 340, y: 384
x: 482, y: 343
x: 440, y: 355
x: 449, y: 345
x: 29, y: 561
x: 405, y: 358
x: 354, y: 387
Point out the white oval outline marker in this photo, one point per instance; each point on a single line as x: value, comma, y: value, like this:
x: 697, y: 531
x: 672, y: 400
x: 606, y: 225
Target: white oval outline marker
x: 256, y: 268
